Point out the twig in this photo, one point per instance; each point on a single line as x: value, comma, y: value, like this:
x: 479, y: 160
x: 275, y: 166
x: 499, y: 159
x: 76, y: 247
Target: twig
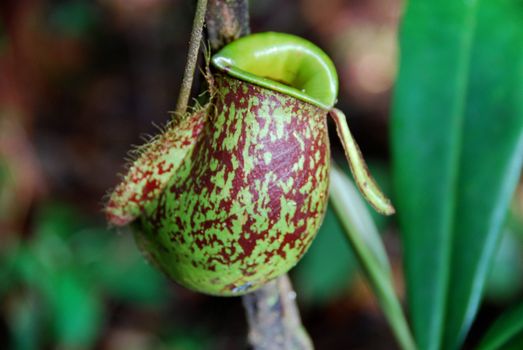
x: 274, y: 319
x: 192, y: 57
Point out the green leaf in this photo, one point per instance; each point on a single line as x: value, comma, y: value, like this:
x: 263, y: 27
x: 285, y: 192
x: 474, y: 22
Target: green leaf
x: 381, y: 173
x: 457, y: 135
x: 76, y: 310
x: 354, y: 215
x: 370, y: 252
x: 507, y: 330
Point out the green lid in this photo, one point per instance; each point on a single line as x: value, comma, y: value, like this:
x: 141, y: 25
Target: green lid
x: 282, y: 62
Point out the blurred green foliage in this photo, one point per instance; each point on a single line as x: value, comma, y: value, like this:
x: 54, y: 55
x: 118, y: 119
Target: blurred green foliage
x: 328, y: 268
x: 325, y: 272
x: 56, y: 283
x: 74, y: 18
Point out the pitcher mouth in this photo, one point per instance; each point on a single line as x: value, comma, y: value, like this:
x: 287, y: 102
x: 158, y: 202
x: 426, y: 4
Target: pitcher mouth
x: 284, y: 63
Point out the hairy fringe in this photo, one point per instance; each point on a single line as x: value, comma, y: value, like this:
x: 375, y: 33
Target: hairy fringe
x: 137, y: 151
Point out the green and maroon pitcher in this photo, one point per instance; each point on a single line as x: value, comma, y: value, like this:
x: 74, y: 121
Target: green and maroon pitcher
x: 232, y: 195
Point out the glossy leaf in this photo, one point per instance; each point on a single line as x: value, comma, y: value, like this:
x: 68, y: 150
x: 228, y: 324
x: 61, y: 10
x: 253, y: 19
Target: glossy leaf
x: 457, y: 134
x: 370, y: 252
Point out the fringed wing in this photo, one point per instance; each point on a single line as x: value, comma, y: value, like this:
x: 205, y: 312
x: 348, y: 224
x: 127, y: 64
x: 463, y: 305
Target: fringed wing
x: 157, y: 162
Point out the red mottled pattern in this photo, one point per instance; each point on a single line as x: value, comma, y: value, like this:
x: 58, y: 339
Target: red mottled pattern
x: 149, y: 174
x: 243, y: 209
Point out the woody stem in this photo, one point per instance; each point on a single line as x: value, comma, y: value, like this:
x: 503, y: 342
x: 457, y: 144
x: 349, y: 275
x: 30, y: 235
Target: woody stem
x: 274, y: 319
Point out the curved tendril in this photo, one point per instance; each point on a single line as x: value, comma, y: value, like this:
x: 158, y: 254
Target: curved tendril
x: 358, y: 167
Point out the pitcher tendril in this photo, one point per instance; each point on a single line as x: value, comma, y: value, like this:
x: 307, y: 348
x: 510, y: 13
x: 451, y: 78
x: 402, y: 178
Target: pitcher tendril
x: 358, y: 167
